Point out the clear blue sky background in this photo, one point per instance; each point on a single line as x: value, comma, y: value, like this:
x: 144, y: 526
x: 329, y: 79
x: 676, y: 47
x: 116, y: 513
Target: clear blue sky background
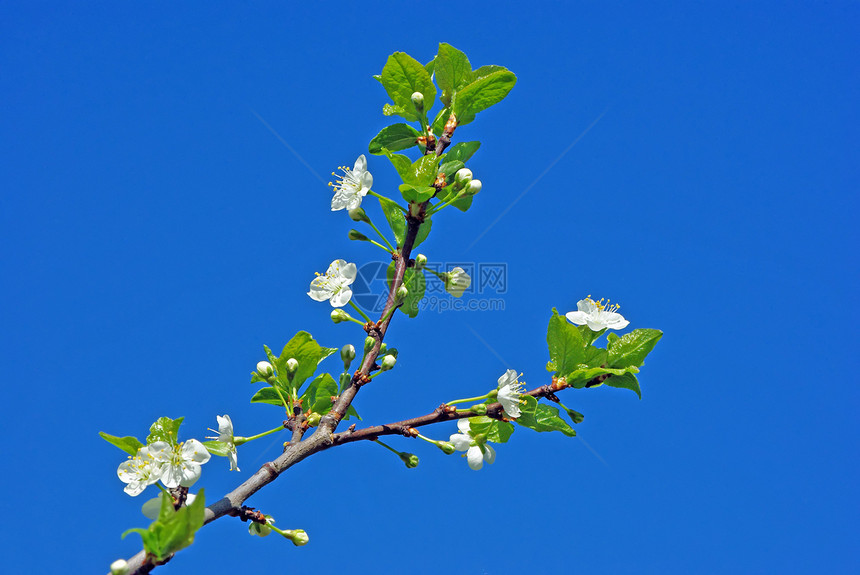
x: 155, y: 234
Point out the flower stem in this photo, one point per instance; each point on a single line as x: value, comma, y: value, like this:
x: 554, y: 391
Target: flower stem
x: 438, y: 207
x: 358, y: 309
x: 384, y: 239
x: 382, y: 247
x: 259, y: 435
x: 386, y: 446
x: 468, y: 399
x: 284, y: 401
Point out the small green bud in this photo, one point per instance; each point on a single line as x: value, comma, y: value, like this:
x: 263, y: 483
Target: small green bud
x: 383, y: 348
x: 347, y: 354
x: 261, y: 529
x: 265, y: 369
x: 446, y: 446
x: 292, y: 366
x: 479, y: 409
x: 314, y: 419
x: 401, y: 294
x: 418, y: 102
x: 357, y: 236
x: 369, y: 342
x: 358, y: 215
x: 388, y: 363
x: 392, y: 351
x: 119, y: 567
x: 338, y: 315
x: 420, y: 262
x: 297, y: 536
x: 410, y: 459
x: 463, y: 176
x: 473, y: 188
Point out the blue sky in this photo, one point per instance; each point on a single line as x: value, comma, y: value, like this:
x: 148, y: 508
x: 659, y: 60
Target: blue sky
x: 693, y: 162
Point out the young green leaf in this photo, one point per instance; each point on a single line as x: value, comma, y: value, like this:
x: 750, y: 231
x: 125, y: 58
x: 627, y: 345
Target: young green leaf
x: 219, y: 448
x: 402, y: 76
x: 423, y: 171
x: 631, y: 349
x: 626, y: 381
x: 165, y: 429
x: 453, y: 71
x: 482, y: 93
x: 440, y: 120
x: 128, y: 443
x: 495, y: 430
x: 423, y: 231
x: 307, y: 352
x: 396, y: 219
x: 416, y: 194
x: 542, y: 417
x: 486, y: 71
x: 415, y: 283
x: 401, y: 163
x: 394, y: 138
x: 317, y: 398
x: 462, y: 151
x: 270, y: 396
x: 578, y: 378
x: 566, y: 348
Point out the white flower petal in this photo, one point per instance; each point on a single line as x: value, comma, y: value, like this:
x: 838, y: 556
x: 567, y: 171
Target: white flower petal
x: 348, y: 273
x: 577, y: 317
x: 360, y: 164
x: 461, y: 442
x: 489, y: 454
x: 475, y: 458
x: 341, y: 297
x: 463, y: 426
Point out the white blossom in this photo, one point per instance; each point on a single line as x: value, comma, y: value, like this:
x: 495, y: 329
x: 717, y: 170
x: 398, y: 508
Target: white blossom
x: 457, y: 281
x: 180, y: 465
x: 597, y: 315
x: 225, y: 435
x: 334, y: 285
x: 476, y: 454
x: 140, y: 471
x: 509, y: 391
x: 350, y: 188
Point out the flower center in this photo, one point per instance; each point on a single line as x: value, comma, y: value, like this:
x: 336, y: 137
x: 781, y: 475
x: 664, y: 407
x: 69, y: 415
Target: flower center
x: 603, y: 305
x: 348, y: 181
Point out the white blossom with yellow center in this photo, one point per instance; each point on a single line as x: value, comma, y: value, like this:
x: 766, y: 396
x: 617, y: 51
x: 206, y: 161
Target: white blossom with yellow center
x: 334, y: 285
x: 597, y: 315
x: 352, y: 186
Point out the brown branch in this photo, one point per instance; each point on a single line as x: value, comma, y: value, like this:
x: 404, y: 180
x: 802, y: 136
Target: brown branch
x: 442, y: 413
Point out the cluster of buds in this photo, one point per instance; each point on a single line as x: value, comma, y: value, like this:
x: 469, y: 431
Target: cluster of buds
x: 464, y: 182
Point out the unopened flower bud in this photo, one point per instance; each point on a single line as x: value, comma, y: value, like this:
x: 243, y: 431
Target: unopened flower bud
x: 357, y: 236
x: 369, y: 342
x: 479, y: 409
x: 446, y: 446
x: 418, y: 102
x: 388, y: 362
x: 420, y: 262
x: 383, y: 348
x: 119, y: 567
x: 314, y: 419
x: 392, y: 352
x: 457, y: 281
x: 347, y: 354
x: 292, y: 366
x: 401, y: 294
x: 338, y: 315
x: 473, y: 188
x: 265, y: 369
x: 463, y: 176
x: 261, y: 529
x: 410, y: 459
x: 297, y: 536
x: 358, y: 215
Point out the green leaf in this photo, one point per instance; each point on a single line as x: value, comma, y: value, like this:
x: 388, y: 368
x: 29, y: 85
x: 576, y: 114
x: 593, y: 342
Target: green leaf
x: 430, y: 66
x: 219, y: 448
x: 631, y: 349
x: 495, y: 430
x: 307, y: 352
x: 402, y: 76
x: 453, y: 71
x: 440, y: 120
x: 128, y: 443
x: 401, y: 163
x: 351, y: 412
x: 270, y: 396
x: 574, y: 415
x: 417, y: 194
x: 578, y: 378
x: 595, y: 356
x: 415, y: 283
x: 174, y: 529
x: 317, y: 397
x: 486, y: 71
x: 462, y: 151
x: 626, y: 381
x: 165, y: 429
x: 542, y: 417
x: 396, y: 219
x: 566, y: 348
x: 394, y: 138
x: 588, y: 336
x: 423, y: 231
x: 423, y: 171
x: 482, y: 93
